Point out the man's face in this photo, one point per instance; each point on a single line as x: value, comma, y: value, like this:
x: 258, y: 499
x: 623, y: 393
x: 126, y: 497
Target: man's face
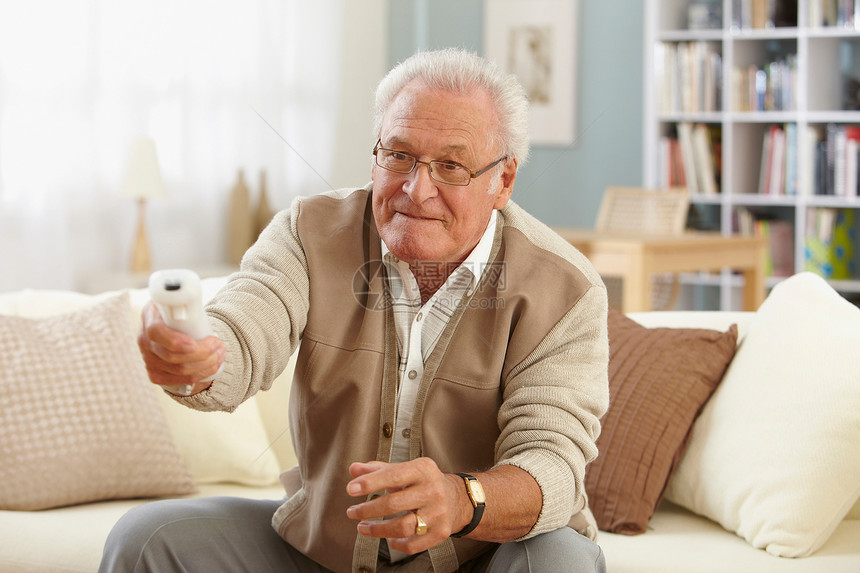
x: 419, y: 218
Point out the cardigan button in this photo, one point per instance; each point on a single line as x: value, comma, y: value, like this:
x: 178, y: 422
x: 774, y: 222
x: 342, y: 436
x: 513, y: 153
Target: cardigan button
x: 387, y: 430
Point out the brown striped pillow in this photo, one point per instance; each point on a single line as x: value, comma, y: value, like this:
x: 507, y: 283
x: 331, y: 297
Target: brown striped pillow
x: 659, y: 380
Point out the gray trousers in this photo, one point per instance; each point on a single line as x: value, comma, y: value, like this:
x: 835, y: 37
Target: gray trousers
x: 235, y: 534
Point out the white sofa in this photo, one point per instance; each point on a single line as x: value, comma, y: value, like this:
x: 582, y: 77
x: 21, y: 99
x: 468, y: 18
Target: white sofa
x: 71, y: 538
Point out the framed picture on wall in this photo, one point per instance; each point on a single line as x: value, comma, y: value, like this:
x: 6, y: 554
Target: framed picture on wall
x: 537, y: 41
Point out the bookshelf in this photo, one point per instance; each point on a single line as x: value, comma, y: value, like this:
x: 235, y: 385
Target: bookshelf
x: 766, y: 95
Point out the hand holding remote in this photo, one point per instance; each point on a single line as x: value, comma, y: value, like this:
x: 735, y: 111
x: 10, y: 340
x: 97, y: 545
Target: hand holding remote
x: 178, y: 297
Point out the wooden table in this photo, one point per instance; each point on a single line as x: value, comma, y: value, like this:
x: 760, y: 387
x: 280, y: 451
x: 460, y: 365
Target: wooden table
x: 635, y: 257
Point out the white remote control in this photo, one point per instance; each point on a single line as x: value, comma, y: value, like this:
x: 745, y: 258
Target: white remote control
x: 177, y: 295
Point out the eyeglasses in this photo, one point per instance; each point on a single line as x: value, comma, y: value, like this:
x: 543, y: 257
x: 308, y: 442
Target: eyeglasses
x: 447, y: 172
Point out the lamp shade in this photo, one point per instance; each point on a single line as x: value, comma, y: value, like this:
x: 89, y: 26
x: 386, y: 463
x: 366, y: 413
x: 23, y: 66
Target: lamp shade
x: 142, y: 178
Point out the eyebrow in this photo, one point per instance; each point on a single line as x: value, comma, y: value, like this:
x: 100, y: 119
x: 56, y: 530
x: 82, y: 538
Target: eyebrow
x: 457, y: 152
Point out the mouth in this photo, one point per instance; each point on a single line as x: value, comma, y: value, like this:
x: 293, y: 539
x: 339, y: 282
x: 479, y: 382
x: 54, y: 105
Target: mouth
x: 417, y: 217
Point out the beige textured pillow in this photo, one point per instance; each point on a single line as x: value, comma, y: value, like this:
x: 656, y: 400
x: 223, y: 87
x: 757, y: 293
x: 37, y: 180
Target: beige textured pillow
x: 217, y: 447
x: 659, y: 378
x: 78, y: 419
x: 775, y: 455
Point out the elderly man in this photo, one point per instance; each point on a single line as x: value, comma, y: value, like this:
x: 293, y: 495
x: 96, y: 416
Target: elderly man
x: 452, y: 363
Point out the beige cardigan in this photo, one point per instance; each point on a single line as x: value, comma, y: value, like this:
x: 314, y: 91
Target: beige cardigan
x: 518, y: 377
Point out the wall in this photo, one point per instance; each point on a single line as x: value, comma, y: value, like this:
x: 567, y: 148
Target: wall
x: 362, y: 66
x: 281, y: 86
x: 559, y: 185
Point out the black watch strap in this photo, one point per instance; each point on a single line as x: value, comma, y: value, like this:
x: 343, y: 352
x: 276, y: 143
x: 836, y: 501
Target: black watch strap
x: 478, y: 504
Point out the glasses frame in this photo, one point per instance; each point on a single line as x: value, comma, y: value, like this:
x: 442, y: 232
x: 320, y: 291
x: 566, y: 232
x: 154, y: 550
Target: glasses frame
x: 429, y: 164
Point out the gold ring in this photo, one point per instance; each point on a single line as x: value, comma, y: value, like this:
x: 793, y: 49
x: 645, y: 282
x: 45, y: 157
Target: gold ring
x: 421, y: 526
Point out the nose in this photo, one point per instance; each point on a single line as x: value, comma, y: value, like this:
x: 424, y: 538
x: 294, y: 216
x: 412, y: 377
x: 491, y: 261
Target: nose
x: 419, y: 185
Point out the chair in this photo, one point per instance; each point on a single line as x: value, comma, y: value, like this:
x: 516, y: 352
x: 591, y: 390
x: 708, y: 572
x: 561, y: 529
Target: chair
x: 645, y: 211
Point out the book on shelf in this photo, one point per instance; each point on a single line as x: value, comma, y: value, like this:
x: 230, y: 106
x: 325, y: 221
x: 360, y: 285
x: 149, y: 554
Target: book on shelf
x: 758, y: 14
x: 689, y: 76
x: 705, y: 15
x: 831, y: 160
x: 852, y: 149
x: 766, y: 158
x: 806, y: 161
x: 778, y: 170
x: 688, y: 157
x: 692, y: 158
x: 671, y: 166
x: 834, y: 13
x: 776, y: 179
x: 829, y: 243
x: 779, y: 235
x: 839, y: 141
x: 780, y: 252
x: 791, y: 152
x: 771, y: 87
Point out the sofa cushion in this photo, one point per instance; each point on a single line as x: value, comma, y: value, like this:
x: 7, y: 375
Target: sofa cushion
x: 679, y: 541
x: 775, y: 455
x: 245, y: 452
x: 79, y: 418
x: 72, y: 539
x: 221, y: 447
x: 659, y: 378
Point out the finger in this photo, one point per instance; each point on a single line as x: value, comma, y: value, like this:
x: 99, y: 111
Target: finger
x: 388, y: 504
x: 415, y: 543
x: 373, y: 477
x: 401, y: 526
x: 358, y: 486
x: 175, y: 374
x: 172, y: 345
x: 359, y: 469
x: 153, y: 326
x: 203, y: 355
x: 173, y: 358
x: 192, y: 351
x: 171, y: 340
x: 418, y: 539
x: 156, y: 338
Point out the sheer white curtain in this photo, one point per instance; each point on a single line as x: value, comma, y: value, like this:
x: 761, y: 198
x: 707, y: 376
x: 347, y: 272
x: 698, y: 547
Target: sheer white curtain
x: 219, y: 86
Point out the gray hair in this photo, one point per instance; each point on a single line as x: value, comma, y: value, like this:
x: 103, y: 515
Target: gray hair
x: 461, y: 72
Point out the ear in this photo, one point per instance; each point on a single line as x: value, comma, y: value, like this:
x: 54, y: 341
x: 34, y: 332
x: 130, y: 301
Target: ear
x: 509, y: 175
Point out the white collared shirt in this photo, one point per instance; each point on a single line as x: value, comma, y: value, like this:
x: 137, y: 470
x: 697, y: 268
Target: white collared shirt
x: 418, y: 328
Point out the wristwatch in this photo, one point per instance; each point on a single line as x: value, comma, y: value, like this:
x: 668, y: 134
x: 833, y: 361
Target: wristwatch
x: 478, y: 499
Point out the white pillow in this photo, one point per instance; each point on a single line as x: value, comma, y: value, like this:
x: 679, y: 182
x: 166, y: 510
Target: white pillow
x: 221, y: 447
x: 775, y: 454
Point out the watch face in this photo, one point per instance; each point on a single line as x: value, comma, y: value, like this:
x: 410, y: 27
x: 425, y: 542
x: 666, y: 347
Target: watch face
x: 476, y: 491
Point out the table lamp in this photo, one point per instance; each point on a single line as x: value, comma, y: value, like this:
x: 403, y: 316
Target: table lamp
x: 142, y: 181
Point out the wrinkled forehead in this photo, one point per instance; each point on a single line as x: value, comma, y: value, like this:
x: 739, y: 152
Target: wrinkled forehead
x: 464, y: 119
